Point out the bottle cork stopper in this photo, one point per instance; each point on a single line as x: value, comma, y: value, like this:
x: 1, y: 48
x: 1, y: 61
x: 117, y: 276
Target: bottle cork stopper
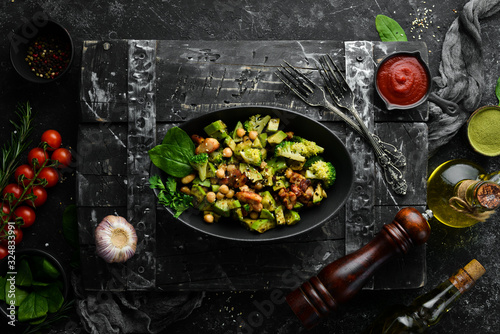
x: 465, y: 278
x: 488, y: 195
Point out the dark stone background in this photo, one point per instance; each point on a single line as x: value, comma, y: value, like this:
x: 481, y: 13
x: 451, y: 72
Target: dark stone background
x: 56, y: 106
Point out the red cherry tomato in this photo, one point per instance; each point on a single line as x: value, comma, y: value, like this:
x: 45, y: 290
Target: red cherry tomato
x: 15, y: 235
x: 26, y: 213
x: 41, y: 196
x: 63, y: 156
x: 3, y: 251
x: 50, y: 175
x: 25, y: 170
x: 6, y: 212
x: 39, y: 154
x: 52, y: 138
x: 12, y: 188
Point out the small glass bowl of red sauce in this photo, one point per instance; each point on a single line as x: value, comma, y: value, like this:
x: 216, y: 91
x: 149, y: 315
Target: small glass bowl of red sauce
x: 403, y: 80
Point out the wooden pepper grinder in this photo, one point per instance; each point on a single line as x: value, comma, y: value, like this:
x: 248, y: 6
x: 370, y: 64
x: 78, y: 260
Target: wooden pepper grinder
x: 342, y: 279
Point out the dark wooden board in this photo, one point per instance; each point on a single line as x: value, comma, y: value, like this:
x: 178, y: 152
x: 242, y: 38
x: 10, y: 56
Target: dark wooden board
x: 132, y: 92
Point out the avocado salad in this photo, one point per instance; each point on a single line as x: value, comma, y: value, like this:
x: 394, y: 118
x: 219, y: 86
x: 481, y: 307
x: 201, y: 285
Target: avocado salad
x: 256, y: 173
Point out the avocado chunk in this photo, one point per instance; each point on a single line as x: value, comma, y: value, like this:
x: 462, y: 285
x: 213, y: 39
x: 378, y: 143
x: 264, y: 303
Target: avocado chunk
x: 200, y: 198
x: 229, y: 142
x: 251, y: 172
x: 235, y: 137
x: 276, y: 137
x: 273, y: 124
x: 319, y: 194
x: 266, y: 214
x: 280, y: 215
x: 259, y: 225
x: 224, y: 206
x: 268, y: 201
x: 292, y: 217
x: 263, y: 139
x: 214, y: 127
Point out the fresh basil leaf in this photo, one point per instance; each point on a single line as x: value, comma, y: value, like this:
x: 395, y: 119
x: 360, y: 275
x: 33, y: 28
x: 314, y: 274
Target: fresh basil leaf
x: 172, y: 159
x: 43, y: 269
x: 389, y: 30
x: 54, y: 297
x: 178, y: 137
x: 497, y: 91
x: 24, y: 276
x: 33, y: 307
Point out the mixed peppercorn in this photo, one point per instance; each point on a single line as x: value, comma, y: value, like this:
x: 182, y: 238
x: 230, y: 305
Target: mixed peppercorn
x: 48, y: 57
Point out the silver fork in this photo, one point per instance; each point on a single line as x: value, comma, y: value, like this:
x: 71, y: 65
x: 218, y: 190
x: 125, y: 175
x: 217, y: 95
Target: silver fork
x: 343, y: 96
x: 315, y: 96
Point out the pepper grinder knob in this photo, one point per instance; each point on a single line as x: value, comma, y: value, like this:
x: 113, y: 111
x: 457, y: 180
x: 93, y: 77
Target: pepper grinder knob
x: 342, y: 279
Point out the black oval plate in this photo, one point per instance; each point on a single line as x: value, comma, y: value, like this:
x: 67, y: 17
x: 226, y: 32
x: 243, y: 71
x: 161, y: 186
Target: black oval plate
x: 335, y: 152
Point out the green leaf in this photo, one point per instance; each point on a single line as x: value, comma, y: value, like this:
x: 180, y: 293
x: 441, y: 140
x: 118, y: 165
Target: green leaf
x: 43, y: 269
x: 172, y: 159
x: 178, y: 137
x: 70, y: 225
x: 33, y: 307
x: 24, y: 276
x: 497, y: 91
x: 54, y: 297
x: 389, y: 30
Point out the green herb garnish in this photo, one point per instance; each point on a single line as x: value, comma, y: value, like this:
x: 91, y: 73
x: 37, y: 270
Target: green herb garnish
x: 17, y: 144
x: 173, y: 154
x: 169, y: 196
x: 389, y: 30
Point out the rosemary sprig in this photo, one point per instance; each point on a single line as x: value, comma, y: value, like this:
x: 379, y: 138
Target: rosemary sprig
x: 18, y: 143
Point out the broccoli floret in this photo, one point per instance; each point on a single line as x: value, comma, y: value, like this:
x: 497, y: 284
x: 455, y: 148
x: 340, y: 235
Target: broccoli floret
x: 290, y: 150
x: 311, y: 148
x: 311, y: 160
x: 256, y: 123
x: 216, y: 157
x: 323, y: 171
x: 200, y: 163
x: 252, y: 156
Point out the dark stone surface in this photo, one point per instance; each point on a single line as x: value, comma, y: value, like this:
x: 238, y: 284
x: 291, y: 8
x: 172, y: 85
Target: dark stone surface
x: 57, y: 107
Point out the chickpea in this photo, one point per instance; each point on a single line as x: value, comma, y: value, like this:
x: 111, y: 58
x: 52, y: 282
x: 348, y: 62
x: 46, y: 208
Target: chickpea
x: 188, y: 178
x: 258, y: 186
x: 211, y: 197
x: 253, y: 135
x: 224, y: 189
x: 220, y: 173
x: 240, y: 132
x: 227, y: 152
x: 288, y: 173
x: 244, y: 188
x: 254, y: 215
x: 231, y: 168
x: 208, y: 218
x: 220, y: 195
x: 186, y: 190
x: 230, y: 193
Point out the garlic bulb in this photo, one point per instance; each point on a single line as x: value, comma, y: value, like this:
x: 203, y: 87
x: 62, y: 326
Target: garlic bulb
x: 115, y: 239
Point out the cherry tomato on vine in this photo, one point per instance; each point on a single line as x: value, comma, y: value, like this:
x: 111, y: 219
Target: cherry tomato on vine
x: 27, y: 214
x: 25, y: 170
x: 12, y: 188
x: 52, y: 138
x: 39, y: 154
x: 18, y: 236
x: 63, y: 156
x: 41, y: 196
x: 6, y: 212
x: 50, y: 175
x: 3, y: 251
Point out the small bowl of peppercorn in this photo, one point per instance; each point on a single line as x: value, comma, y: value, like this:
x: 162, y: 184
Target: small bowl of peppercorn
x: 41, y: 50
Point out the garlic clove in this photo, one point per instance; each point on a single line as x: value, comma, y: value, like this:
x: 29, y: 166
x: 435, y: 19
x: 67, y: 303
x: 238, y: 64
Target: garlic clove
x: 115, y: 239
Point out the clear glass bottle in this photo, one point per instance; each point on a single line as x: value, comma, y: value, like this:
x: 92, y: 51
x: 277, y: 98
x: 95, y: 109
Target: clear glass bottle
x: 461, y: 194
x: 428, y: 309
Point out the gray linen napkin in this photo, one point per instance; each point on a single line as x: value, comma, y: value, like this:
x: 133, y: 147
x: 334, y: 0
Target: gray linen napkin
x: 461, y: 77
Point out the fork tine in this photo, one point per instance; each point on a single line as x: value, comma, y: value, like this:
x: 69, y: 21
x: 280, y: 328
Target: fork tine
x: 332, y: 83
x: 342, y: 81
x: 297, y: 74
x: 291, y: 83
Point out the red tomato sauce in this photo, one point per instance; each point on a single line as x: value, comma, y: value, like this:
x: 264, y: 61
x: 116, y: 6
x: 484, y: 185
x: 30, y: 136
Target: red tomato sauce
x: 402, y: 80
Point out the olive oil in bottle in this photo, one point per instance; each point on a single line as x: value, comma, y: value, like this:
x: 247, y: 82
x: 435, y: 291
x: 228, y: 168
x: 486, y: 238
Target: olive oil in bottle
x: 460, y: 194
x: 428, y: 309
